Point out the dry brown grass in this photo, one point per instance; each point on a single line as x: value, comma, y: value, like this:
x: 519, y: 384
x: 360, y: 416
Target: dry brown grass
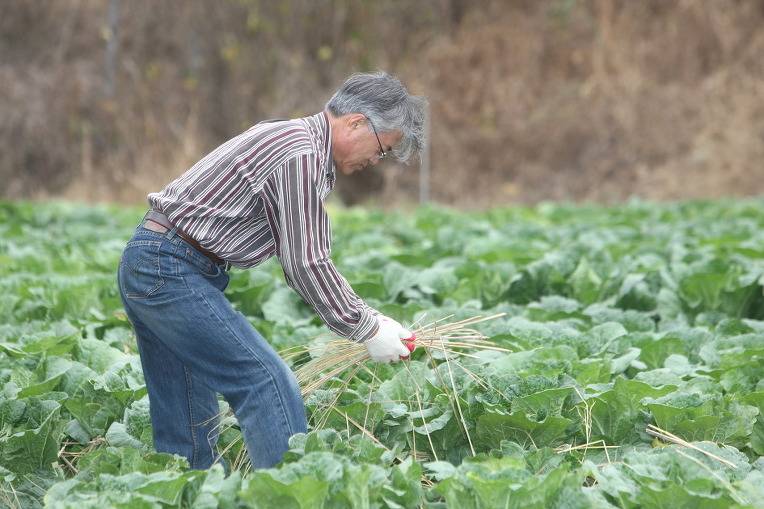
x: 667, y: 436
x: 70, y: 453
x: 591, y: 100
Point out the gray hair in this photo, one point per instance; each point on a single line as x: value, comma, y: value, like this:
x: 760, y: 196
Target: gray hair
x: 384, y: 100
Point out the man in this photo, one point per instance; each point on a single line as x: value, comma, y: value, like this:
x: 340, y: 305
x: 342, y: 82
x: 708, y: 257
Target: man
x: 257, y: 195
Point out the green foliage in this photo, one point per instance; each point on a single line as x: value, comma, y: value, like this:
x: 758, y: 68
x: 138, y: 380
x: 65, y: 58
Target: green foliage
x: 616, y: 319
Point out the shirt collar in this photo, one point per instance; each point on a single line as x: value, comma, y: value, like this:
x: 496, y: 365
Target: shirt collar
x: 321, y: 134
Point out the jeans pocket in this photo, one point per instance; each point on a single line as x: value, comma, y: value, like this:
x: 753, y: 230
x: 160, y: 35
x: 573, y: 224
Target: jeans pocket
x: 140, y: 274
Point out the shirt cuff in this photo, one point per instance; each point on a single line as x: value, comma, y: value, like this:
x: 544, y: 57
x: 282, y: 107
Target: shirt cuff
x: 366, y: 328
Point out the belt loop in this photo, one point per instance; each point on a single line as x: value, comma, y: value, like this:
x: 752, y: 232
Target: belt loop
x: 172, y: 233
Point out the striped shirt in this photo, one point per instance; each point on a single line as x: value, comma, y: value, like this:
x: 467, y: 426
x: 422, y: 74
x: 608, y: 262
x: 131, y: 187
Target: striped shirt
x: 261, y: 194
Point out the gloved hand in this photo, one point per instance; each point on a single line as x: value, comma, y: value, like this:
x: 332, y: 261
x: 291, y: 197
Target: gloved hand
x: 386, y: 344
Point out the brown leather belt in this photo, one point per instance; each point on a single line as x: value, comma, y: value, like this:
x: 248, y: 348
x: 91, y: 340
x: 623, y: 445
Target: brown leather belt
x: 161, y: 224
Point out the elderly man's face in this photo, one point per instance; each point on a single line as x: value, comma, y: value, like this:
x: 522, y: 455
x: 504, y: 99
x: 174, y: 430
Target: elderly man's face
x: 354, y: 145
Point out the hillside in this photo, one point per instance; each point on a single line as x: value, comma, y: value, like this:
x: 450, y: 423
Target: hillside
x: 531, y: 100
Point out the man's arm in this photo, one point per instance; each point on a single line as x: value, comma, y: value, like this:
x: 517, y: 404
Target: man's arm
x: 302, y: 234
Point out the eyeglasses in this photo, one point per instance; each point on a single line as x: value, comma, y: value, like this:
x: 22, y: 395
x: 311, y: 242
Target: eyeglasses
x: 382, y: 154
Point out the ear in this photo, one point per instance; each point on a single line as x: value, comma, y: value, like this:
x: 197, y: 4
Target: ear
x: 354, y: 120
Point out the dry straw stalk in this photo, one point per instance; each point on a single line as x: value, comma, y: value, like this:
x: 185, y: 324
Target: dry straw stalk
x: 339, y: 355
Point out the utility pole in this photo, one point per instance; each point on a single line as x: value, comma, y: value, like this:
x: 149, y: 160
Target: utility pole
x: 424, y: 164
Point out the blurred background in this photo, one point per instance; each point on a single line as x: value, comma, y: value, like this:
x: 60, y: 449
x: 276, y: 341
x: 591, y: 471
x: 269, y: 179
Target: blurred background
x: 581, y: 100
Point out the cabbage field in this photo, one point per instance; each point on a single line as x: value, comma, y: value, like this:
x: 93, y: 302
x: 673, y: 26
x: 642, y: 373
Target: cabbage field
x: 634, y: 376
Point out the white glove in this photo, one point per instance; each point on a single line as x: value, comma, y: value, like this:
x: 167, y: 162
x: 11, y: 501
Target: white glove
x: 386, y: 344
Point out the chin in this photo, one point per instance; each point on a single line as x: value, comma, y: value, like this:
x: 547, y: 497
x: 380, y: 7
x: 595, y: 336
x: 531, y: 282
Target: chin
x: 351, y: 168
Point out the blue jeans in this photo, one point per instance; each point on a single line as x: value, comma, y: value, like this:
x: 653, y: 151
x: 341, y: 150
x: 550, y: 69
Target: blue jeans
x: 193, y: 344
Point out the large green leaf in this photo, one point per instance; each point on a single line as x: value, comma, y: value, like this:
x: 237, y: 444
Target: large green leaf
x: 492, y: 428
x: 31, y: 434
x: 618, y: 415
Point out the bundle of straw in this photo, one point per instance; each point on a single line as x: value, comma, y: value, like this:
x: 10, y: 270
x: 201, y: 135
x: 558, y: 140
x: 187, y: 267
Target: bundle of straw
x: 339, y: 355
